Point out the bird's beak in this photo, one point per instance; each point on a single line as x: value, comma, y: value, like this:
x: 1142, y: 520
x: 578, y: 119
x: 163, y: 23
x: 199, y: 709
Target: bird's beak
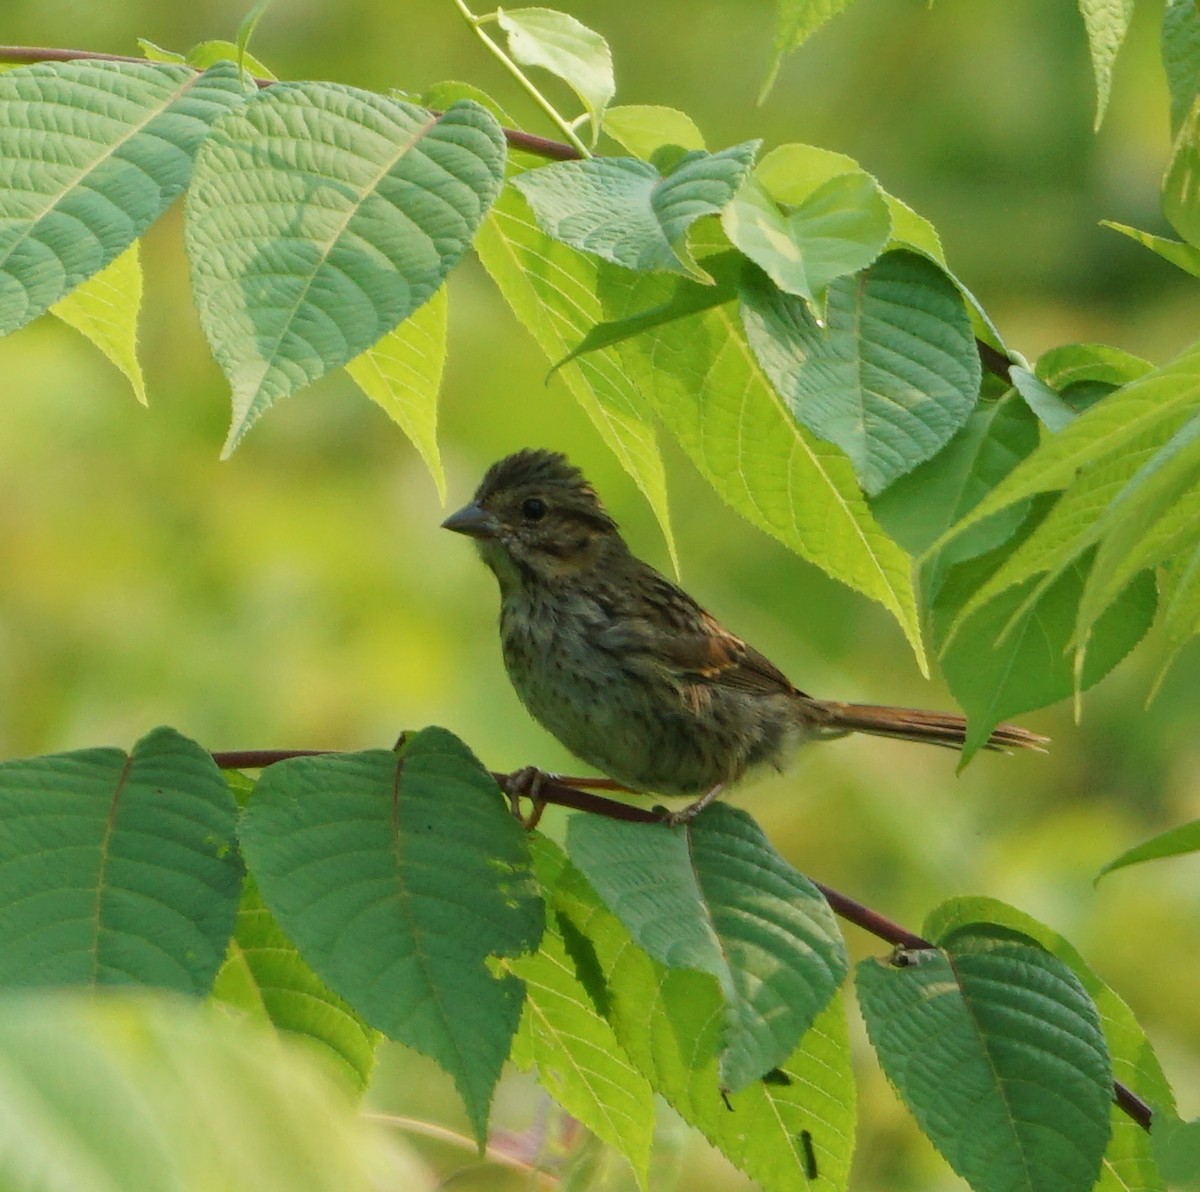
x: 472, y: 520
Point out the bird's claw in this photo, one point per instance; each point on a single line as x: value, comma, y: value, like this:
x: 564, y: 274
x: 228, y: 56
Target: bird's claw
x: 527, y: 782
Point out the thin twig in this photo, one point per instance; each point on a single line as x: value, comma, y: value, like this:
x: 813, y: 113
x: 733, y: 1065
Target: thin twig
x: 23, y: 55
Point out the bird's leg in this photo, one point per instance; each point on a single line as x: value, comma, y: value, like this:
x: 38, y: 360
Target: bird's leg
x: 527, y: 781
x: 686, y: 814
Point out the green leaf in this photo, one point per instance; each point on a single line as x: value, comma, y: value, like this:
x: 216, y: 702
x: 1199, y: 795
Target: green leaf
x: 402, y: 373
x: 890, y: 379
x: 702, y: 379
x: 1044, y: 400
x: 669, y: 1023
x: 319, y: 218
x: 839, y: 229
x: 1179, y: 608
x: 1181, y: 56
x: 265, y: 976
x: 996, y: 1049
x: 1175, y: 842
x: 566, y: 48
x: 116, y: 868
x: 643, y: 128
x: 715, y: 897
x: 105, y: 309
x: 1181, y: 186
x: 795, y: 22
x: 208, y: 53
x: 919, y: 507
x: 579, y: 1061
x: 164, y: 1095
x: 1156, y: 517
x: 133, y: 131
x: 793, y: 173
x: 552, y: 290
x: 1176, y: 1146
x: 624, y: 210
x: 1107, y: 22
x: 1011, y: 654
x: 687, y: 298
x: 1128, y: 1161
x: 1186, y: 256
x: 1137, y: 419
x: 397, y: 877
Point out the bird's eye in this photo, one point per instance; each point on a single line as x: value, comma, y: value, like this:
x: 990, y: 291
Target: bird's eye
x: 533, y: 509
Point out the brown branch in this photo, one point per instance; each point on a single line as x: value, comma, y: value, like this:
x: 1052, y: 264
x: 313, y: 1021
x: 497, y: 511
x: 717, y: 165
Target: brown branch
x: 567, y: 793
x: 24, y: 55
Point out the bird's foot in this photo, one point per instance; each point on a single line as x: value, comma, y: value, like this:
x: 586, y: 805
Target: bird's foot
x: 527, y: 782
x: 686, y: 814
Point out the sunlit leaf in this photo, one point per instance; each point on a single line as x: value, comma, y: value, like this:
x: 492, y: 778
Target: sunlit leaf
x: 568, y: 49
x: 402, y: 373
x: 1107, y: 22
x: 105, y: 308
x: 795, y: 22
x: 643, y: 128
x: 1176, y: 842
x: 1181, y: 56
x: 1186, y: 256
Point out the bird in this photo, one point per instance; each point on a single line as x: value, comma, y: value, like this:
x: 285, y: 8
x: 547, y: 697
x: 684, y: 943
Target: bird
x: 629, y: 672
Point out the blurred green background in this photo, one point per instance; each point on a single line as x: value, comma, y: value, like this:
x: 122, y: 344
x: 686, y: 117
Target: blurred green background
x: 302, y: 593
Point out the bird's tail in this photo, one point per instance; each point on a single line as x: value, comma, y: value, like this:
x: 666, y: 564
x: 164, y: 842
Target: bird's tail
x: 912, y: 724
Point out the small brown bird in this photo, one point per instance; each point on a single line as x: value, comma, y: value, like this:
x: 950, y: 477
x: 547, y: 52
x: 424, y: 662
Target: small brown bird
x: 626, y: 669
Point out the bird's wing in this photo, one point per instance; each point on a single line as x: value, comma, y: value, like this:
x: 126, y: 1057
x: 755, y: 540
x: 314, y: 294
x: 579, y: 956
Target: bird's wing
x: 664, y: 623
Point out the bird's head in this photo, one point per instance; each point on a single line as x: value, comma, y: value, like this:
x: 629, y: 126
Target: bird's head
x: 535, y: 518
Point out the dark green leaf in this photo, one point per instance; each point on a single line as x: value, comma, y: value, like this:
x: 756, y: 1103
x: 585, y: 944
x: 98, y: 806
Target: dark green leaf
x: 1176, y: 1146
x: 116, y: 868
x: 1128, y: 1161
x: 996, y: 1049
x: 123, y: 136
x: 892, y: 376
x: 397, y: 877
x: 322, y: 215
x: 623, y: 210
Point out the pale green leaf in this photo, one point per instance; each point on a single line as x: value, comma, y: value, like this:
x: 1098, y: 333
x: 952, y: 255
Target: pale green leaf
x: 795, y: 22
x: 552, y: 290
x: 579, y: 1061
x: 140, y: 1094
x: 838, y: 229
x: 1107, y: 22
x: 1179, y: 609
x: 70, y: 204
x: 319, y: 218
x: 116, y: 868
x: 996, y: 1049
x: 207, y: 53
x: 644, y: 128
x: 264, y: 976
x: 892, y: 376
x: 397, y: 877
x: 1142, y: 415
x: 566, y: 48
x: 105, y: 308
x: 1186, y: 256
x: 624, y: 210
x: 402, y: 373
